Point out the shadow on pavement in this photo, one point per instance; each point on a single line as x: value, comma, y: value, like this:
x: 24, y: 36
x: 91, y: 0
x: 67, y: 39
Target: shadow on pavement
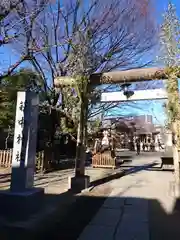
x: 162, y: 225
x: 72, y: 215
x: 118, y: 173
x: 135, y: 169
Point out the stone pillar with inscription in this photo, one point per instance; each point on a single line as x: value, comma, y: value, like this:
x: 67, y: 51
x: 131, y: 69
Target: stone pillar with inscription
x: 22, y: 195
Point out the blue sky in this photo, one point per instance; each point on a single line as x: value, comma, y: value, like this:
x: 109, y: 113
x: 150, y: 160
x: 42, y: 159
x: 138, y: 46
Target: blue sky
x: 154, y: 107
x: 161, y: 5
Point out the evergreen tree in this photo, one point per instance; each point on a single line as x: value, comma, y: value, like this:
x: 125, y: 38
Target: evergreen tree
x: 9, y: 86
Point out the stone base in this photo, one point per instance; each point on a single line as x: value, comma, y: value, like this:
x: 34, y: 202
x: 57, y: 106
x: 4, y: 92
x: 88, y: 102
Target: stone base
x: 78, y: 183
x: 19, y: 206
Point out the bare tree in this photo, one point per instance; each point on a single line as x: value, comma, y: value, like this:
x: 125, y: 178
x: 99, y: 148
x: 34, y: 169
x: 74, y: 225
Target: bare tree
x: 13, y: 13
x: 78, y: 38
x: 119, y: 33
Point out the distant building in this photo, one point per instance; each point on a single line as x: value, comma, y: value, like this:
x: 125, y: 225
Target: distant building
x: 137, y: 126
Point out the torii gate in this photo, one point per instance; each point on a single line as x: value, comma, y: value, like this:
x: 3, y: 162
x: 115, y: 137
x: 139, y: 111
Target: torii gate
x: 116, y: 77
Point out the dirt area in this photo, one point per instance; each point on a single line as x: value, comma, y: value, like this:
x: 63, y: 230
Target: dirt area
x: 56, y: 182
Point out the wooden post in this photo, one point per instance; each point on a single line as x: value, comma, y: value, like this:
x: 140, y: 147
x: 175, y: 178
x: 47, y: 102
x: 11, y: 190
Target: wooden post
x: 176, y: 157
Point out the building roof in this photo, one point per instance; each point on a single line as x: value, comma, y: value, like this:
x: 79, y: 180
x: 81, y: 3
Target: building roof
x: 140, y: 124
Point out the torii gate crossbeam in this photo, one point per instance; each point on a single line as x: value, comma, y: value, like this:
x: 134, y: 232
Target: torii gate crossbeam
x: 127, y: 76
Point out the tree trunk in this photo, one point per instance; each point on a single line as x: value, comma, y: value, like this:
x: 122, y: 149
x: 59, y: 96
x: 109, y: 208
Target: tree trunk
x: 85, y: 123
x: 49, y: 155
x: 80, y: 149
x: 82, y: 130
x: 176, y: 170
x: 176, y: 158
x: 85, y: 135
x: 173, y: 108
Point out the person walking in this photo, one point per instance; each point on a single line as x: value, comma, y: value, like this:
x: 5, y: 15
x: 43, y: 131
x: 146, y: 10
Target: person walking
x: 138, y: 146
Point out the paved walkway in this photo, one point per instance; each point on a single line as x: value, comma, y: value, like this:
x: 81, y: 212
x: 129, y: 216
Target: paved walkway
x: 55, y: 182
x: 127, y: 213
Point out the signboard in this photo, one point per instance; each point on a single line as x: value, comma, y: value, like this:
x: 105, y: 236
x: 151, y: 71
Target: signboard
x: 139, y: 95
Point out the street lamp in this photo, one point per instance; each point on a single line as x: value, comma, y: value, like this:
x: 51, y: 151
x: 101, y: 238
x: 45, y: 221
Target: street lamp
x: 128, y: 93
